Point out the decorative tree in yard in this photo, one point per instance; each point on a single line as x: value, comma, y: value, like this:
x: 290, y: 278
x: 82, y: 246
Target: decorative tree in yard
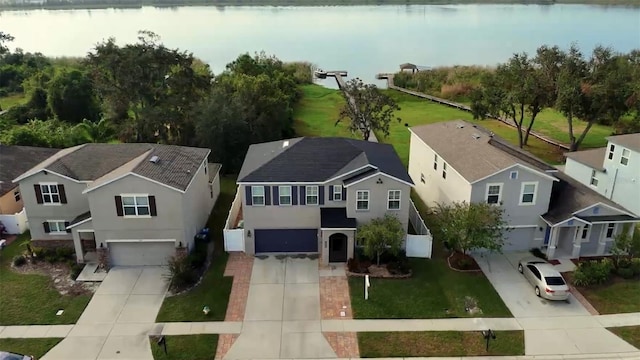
x: 380, y: 235
x: 367, y: 109
x: 468, y: 226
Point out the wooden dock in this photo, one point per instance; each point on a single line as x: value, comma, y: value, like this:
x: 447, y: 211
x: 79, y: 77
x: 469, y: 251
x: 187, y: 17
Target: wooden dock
x: 391, y: 85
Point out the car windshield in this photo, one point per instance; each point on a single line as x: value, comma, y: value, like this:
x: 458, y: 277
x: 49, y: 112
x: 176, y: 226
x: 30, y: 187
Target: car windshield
x: 9, y: 356
x: 554, y: 280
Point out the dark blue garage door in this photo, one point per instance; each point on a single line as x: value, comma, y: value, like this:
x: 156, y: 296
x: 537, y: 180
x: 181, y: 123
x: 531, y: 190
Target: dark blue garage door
x: 286, y: 240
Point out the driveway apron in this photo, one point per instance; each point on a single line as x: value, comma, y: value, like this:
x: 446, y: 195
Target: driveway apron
x: 282, y: 317
x: 117, y: 319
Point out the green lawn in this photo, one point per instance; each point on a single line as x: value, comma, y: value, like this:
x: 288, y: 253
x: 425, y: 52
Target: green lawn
x: 32, y: 299
x: 35, y: 347
x: 431, y: 290
x: 215, y: 288
x: 622, y: 296
x: 317, y: 112
x: 438, y: 343
x: 15, y: 99
x: 186, y: 347
x: 630, y: 334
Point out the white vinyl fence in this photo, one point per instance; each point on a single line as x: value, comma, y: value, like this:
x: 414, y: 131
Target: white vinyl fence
x: 16, y: 223
x: 418, y: 245
x: 234, y: 237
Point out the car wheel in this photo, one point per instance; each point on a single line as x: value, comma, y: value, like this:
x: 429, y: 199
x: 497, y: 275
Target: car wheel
x: 537, y: 291
x: 520, y: 268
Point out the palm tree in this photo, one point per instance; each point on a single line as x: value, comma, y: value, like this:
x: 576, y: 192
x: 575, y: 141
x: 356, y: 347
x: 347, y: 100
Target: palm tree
x: 95, y: 132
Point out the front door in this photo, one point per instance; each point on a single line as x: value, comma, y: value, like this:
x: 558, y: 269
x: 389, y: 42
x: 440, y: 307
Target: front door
x: 337, y: 248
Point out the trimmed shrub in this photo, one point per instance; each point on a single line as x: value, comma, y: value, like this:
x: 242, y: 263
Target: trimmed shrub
x: 625, y: 273
x: 19, y: 260
x: 65, y: 253
x: 635, y: 266
x: 538, y: 253
x: 76, y: 269
x: 592, y: 272
x: 182, y: 273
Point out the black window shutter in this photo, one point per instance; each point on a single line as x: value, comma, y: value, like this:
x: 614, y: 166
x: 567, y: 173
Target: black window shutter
x: 119, y: 210
x: 294, y: 195
x: 276, y: 195
x: 152, y: 206
x: 45, y: 225
x: 267, y: 195
x: 330, y: 192
x: 36, y: 187
x: 66, y: 225
x: 247, y: 193
x: 303, y: 195
x: 344, y: 193
x: 63, y: 194
x: 321, y: 194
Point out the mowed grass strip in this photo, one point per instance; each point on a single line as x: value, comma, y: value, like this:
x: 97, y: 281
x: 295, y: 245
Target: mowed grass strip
x: 434, y: 291
x: 630, y: 334
x: 438, y: 343
x: 186, y: 347
x: 31, y: 299
x: 318, y: 111
x: 620, y: 296
x: 215, y: 288
x: 33, y: 347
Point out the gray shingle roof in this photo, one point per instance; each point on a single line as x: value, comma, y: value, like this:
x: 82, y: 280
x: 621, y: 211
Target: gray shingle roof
x: 313, y: 159
x: 15, y: 160
x: 90, y: 162
x: 630, y: 141
x: 593, y: 158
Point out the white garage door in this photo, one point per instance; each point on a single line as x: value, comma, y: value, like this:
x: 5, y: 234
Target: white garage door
x: 519, y: 239
x: 141, y: 253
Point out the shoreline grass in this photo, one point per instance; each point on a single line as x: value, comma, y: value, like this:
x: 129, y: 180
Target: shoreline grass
x: 33, y: 346
x: 102, y: 4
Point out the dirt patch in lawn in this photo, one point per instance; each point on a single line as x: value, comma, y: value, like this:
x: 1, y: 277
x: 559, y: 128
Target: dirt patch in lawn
x: 462, y: 262
x: 61, y: 277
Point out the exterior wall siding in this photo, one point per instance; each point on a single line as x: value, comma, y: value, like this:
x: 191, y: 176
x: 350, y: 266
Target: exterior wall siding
x: 77, y: 203
x: 168, y: 224
x: 197, y: 204
x: 434, y: 189
x: 8, y: 203
x: 582, y: 173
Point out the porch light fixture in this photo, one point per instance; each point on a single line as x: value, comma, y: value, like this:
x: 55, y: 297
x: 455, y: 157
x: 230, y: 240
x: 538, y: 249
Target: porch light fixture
x: 248, y: 233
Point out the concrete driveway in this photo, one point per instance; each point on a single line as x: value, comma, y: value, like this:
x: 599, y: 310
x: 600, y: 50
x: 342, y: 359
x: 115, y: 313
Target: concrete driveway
x: 517, y: 293
x: 117, y: 319
x: 282, y: 317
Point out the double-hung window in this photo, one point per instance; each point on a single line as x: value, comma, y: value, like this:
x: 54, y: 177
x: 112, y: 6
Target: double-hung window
x: 435, y: 162
x: 135, y: 205
x: 284, y: 195
x: 586, y: 230
x: 393, y: 200
x: 312, y: 195
x: 444, y: 170
x: 337, y: 193
x: 57, y: 227
x: 16, y: 195
x: 494, y: 193
x: 528, y: 193
x: 624, y: 159
x: 50, y: 193
x: 257, y: 195
x: 594, y: 179
x: 612, y: 149
x: 362, y: 200
x: 611, y: 230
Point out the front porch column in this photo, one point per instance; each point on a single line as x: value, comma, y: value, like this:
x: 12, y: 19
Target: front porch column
x: 77, y: 245
x: 602, y: 241
x: 577, y: 242
x: 553, y: 242
x: 632, y: 228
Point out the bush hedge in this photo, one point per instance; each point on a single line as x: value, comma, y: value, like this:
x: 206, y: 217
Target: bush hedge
x: 592, y: 272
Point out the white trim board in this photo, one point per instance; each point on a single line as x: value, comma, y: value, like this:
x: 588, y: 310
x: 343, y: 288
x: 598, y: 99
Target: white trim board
x: 139, y: 240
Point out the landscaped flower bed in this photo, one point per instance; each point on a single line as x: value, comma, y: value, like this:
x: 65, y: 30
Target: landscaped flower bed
x: 394, y: 267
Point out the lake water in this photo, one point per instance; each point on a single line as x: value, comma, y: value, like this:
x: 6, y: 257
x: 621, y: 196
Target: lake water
x: 364, y: 40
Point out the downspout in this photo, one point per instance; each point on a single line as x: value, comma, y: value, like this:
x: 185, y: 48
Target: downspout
x: 613, y: 186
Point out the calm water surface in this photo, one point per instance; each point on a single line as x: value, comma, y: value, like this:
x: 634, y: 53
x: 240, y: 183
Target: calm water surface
x: 364, y: 40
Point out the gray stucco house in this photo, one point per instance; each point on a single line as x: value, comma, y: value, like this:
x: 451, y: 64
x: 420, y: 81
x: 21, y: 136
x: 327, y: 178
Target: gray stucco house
x: 308, y: 195
x: 459, y: 161
x: 133, y: 204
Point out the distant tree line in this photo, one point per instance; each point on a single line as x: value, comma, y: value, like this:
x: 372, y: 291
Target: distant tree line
x: 146, y: 92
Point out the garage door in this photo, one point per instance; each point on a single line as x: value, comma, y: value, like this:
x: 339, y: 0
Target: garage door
x: 141, y: 253
x: 286, y: 240
x: 519, y: 239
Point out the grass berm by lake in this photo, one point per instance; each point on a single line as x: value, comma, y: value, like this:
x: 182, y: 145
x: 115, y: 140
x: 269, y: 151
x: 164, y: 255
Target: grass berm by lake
x: 100, y: 4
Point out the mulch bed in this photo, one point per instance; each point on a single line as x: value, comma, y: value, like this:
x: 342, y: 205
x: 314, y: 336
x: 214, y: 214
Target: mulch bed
x: 60, y: 275
x: 554, y: 262
x: 461, y: 262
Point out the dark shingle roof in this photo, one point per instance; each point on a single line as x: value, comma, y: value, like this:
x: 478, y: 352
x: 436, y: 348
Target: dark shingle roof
x: 104, y: 162
x: 15, y: 160
x: 336, y: 218
x: 569, y: 196
x: 82, y: 217
x: 312, y: 159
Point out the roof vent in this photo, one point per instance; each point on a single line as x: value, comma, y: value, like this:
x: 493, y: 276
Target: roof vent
x: 476, y: 136
x: 285, y: 144
x: 154, y: 159
x: 460, y: 126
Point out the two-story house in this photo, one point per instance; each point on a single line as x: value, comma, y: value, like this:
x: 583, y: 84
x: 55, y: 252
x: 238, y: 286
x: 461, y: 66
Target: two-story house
x: 308, y: 195
x: 134, y: 204
x: 613, y: 171
x: 14, y: 160
x: 458, y: 161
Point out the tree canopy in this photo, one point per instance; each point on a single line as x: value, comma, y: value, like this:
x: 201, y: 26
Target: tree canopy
x: 381, y: 235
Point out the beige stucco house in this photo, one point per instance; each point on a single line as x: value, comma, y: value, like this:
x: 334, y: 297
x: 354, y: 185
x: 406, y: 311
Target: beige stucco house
x: 134, y: 204
x: 308, y: 195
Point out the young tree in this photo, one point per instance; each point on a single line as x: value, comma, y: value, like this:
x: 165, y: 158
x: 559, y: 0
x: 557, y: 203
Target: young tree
x: 71, y: 97
x: 367, y: 109
x: 380, y: 235
x: 95, y: 132
x: 468, y: 226
x: 625, y: 245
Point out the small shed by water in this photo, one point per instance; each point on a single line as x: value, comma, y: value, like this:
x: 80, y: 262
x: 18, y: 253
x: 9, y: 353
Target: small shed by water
x: 409, y: 66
